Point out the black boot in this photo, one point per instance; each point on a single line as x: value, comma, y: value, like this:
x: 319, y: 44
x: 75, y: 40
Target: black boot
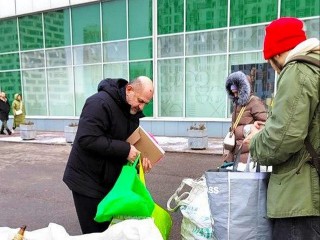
x: 8, y: 131
x: 2, y: 131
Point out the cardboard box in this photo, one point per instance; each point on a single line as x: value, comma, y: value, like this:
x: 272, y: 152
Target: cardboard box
x: 146, y: 145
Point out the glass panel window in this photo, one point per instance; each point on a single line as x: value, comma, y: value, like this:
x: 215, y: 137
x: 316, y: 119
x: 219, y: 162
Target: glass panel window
x: 30, y: 30
x: 87, y: 79
x: 313, y: 28
x: 261, y: 73
x: 140, y: 49
x: 253, y: 11
x: 170, y: 46
x: 10, y: 83
x: 206, y: 42
x: 298, y: 8
x: 86, y: 24
x: 9, y: 61
x: 140, y: 18
x: 60, y: 92
x: 249, y: 38
x: 8, y: 35
x: 115, y: 70
x: 205, y: 81
x: 58, y: 57
x: 33, y: 59
x: 170, y: 16
x: 115, y: 51
x: 87, y: 54
x: 114, y: 17
x: 206, y: 14
x: 142, y: 69
x: 35, y: 92
x: 57, y: 28
x: 170, y: 87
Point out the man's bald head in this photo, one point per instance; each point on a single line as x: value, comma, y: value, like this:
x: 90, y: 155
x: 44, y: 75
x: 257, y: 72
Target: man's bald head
x: 143, y: 85
x: 139, y: 92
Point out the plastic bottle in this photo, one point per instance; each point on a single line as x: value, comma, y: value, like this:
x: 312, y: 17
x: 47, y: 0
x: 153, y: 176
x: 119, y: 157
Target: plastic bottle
x: 19, y: 235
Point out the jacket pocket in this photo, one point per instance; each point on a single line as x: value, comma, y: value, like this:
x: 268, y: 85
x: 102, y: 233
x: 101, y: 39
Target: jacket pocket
x: 292, y: 194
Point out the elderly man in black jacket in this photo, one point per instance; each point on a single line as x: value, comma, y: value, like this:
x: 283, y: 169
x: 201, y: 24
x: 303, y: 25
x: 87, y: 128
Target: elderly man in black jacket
x: 100, y: 149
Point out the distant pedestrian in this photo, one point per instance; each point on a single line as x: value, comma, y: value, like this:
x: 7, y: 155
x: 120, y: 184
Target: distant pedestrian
x: 4, y: 113
x: 18, y: 109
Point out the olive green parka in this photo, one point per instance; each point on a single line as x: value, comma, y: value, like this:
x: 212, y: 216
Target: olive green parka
x: 294, y: 187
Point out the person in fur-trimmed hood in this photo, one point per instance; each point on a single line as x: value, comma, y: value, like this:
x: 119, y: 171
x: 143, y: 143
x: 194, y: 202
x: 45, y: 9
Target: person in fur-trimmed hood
x: 239, y: 88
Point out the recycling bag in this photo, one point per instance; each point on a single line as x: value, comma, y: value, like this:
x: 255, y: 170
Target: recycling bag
x: 238, y: 204
x: 128, y: 197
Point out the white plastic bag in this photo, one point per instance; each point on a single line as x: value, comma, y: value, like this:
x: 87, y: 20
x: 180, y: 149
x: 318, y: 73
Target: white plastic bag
x: 18, y: 112
x: 133, y: 229
x: 193, y: 204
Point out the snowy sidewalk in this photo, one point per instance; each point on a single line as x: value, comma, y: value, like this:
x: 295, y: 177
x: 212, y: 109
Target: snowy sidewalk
x: 169, y: 144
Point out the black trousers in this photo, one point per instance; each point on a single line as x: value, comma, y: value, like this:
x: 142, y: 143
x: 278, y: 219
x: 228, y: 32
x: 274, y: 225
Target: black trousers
x: 86, y: 208
x: 296, y: 228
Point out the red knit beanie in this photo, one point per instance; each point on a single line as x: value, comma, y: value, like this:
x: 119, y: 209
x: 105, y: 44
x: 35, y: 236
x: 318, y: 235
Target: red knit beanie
x: 282, y: 35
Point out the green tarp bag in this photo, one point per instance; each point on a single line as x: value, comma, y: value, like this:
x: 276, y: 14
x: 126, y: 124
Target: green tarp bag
x: 128, y: 197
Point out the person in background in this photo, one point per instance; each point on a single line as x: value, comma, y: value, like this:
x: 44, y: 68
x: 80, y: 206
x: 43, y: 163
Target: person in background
x: 4, y: 113
x: 100, y: 149
x: 240, y: 91
x: 293, y: 198
x: 19, y: 111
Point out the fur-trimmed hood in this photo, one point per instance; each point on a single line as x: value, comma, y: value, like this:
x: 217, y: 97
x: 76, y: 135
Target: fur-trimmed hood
x: 244, y: 88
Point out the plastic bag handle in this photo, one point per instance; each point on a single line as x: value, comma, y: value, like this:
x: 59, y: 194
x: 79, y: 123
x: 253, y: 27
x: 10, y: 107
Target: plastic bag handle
x: 134, y: 164
x: 141, y: 171
x: 181, y: 199
x: 248, y: 164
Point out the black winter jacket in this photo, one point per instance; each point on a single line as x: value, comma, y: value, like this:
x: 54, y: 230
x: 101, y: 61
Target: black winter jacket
x: 4, y: 110
x: 100, y: 149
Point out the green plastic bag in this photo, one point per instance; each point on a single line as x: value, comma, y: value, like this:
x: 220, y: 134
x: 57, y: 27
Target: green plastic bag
x: 162, y: 219
x: 128, y: 197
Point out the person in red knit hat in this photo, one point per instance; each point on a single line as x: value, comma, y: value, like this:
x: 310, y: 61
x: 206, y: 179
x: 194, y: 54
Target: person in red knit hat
x: 290, y: 139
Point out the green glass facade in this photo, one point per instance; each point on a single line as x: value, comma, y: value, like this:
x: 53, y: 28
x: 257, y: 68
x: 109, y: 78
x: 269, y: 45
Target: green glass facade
x: 244, y: 12
x: 57, y: 29
x: 114, y: 19
x: 188, y: 47
x: 206, y: 14
x: 31, y: 32
x: 86, y: 24
x: 8, y: 36
x: 170, y: 16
